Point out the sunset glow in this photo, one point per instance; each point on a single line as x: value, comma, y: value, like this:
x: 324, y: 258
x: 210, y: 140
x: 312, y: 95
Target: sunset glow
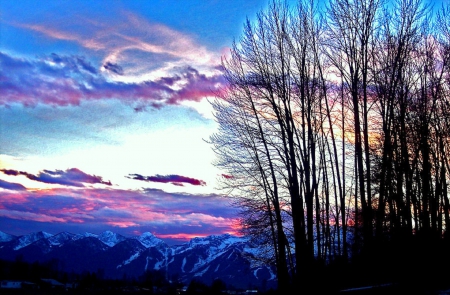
x: 104, y: 114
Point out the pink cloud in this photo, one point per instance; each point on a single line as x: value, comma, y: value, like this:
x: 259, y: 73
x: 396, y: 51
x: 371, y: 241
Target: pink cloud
x: 144, y: 210
x: 50, y: 32
x: 122, y: 224
x: 68, y: 80
x: 198, y: 85
x: 13, y: 214
x: 182, y: 236
x: 153, y: 37
x: 126, y: 32
x: 138, y: 58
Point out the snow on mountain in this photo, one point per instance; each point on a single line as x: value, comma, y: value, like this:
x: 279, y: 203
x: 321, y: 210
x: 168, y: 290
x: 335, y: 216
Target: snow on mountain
x: 61, y: 238
x: 111, y: 239
x: 218, y: 241
x: 214, y: 244
x: 217, y: 250
x: 149, y: 240
x: 4, y: 237
x: 207, y: 258
x: 132, y: 257
x: 26, y: 240
x: 88, y: 235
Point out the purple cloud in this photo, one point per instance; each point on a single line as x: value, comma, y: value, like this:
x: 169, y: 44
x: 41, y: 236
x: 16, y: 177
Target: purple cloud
x: 198, y: 84
x: 166, y: 214
x: 172, y: 179
x: 70, y: 177
x: 75, y: 63
x: 11, y: 186
x: 115, y: 68
x: 59, y: 80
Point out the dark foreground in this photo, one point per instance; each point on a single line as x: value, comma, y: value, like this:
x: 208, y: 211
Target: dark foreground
x: 387, y: 289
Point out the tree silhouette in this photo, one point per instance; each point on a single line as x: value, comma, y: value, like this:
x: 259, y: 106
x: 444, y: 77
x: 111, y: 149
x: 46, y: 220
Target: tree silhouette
x: 334, y: 132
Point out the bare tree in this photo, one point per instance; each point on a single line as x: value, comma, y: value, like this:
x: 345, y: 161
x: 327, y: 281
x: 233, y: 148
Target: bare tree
x: 334, y: 129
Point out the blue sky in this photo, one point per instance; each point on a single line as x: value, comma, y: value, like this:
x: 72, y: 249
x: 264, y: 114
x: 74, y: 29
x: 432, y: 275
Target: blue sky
x: 104, y: 112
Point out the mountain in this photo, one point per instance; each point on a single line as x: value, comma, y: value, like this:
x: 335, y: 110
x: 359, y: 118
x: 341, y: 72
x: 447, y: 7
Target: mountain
x: 26, y: 240
x: 61, y: 238
x: 224, y: 257
x: 4, y: 237
x: 149, y: 240
x: 110, y: 238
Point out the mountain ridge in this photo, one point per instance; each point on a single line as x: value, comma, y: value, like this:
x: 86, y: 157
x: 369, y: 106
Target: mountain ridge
x: 225, y: 257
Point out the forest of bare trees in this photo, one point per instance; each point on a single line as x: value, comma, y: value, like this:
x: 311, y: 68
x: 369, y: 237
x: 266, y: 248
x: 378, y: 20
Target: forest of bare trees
x: 334, y: 134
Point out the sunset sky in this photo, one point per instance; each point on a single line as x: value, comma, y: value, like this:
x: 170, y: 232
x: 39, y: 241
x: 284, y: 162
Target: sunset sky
x: 104, y: 113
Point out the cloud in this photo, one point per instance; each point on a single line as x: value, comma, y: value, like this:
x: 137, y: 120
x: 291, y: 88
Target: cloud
x: 172, y: 179
x: 74, y: 63
x: 29, y: 216
x: 127, y: 32
x: 11, y: 186
x: 124, y: 210
x: 123, y: 224
x: 181, y: 236
x: 141, y: 62
x: 70, y: 177
x: 59, y: 80
x: 115, y: 68
x: 226, y: 176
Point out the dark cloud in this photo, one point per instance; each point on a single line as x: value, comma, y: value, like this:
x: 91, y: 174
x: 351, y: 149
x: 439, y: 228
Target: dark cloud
x: 11, y: 186
x: 115, y: 68
x: 173, y: 179
x: 70, y: 177
x: 60, y: 80
x: 12, y: 172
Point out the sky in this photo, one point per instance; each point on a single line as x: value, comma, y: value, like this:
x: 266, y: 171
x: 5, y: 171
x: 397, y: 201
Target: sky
x: 104, y: 114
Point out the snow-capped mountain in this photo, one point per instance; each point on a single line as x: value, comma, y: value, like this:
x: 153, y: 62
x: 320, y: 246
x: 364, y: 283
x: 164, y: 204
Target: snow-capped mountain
x: 4, y: 237
x: 26, y: 240
x: 86, y: 235
x: 62, y: 238
x: 224, y: 257
x: 111, y: 239
x: 149, y: 240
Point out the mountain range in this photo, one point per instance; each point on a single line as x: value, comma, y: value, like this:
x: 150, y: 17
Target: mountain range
x: 225, y: 257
